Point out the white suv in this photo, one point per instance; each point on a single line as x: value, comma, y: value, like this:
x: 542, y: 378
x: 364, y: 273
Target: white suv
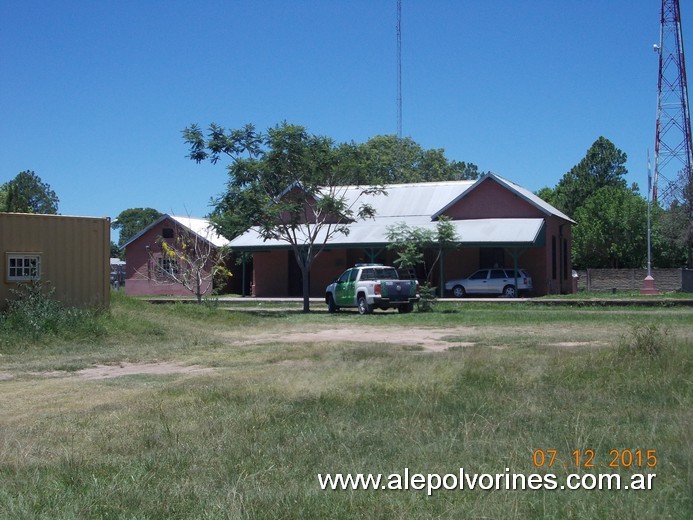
x: 491, y: 281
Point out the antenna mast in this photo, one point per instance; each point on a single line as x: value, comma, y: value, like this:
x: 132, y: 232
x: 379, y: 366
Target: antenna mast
x: 673, y: 132
x: 399, y: 69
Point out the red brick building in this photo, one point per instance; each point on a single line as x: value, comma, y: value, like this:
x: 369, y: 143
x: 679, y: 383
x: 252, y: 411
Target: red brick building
x: 144, y: 259
x: 498, y: 223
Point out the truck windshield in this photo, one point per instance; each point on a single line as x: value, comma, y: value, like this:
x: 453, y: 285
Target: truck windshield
x: 386, y: 273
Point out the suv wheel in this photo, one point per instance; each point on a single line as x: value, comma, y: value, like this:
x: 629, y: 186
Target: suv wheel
x: 331, y: 305
x: 458, y: 291
x: 509, y: 291
x: 364, y: 308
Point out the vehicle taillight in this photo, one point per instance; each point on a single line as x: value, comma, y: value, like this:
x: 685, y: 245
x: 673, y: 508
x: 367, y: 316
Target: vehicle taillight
x: 376, y: 289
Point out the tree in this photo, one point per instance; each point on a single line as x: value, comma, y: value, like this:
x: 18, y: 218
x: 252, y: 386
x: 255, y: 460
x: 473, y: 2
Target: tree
x: 603, y: 165
x: 679, y: 213
x: 189, y: 260
x: 611, y: 229
x: 412, y: 244
x: 672, y: 234
x: 26, y: 193
x: 131, y: 221
x: 546, y: 194
x: 286, y: 183
x: 388, y: 159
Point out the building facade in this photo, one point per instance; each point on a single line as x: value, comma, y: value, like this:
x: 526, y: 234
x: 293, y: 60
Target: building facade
x: 498, y: 224
x: 69, y: 255
x: 147, y: 265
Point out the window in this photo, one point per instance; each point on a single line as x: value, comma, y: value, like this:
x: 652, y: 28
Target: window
x: 345, y: 276
x: 23, y: 267
x: 479, y: 275
x: 368, y: 274
x: 498, y: 274
x: 386, y: 274
x: 167, y: 266
x: 167, y: 232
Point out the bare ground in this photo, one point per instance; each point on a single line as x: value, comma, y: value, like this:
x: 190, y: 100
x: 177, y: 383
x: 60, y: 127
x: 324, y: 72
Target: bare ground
x: 432, y: 340
x: 428, y: 339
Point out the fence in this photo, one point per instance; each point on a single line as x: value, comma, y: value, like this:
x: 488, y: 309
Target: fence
x: 687, y: 280
x: 608, y: 280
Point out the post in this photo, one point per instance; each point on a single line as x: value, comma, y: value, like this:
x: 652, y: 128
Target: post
x: 648, y: 288
x: 442, y: 275
x: 243, y: 261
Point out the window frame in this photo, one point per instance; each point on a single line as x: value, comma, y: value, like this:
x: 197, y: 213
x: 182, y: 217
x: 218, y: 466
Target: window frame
x: 23, y: 256
x: 166, y: 267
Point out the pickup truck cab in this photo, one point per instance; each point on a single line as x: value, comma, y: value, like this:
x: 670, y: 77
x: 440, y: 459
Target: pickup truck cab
x: 369, y: 286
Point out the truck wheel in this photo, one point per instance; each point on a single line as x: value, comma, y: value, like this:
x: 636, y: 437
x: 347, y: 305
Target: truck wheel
x: 407, y: 307
x: 331, y: 305
x: 364, y: 308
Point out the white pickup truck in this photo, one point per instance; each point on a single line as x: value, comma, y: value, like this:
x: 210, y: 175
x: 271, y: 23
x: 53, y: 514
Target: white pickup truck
x: 369, y: 286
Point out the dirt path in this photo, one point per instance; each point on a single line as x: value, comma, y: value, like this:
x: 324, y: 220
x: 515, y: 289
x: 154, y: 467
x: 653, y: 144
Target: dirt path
x: 431, y: 340
x: 126, y: 369
x: 428, y: 339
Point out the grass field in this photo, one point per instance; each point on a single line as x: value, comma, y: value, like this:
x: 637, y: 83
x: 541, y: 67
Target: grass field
x: 266, y: 410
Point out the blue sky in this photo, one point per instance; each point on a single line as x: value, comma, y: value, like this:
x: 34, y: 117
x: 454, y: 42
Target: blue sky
x: 94, y: 94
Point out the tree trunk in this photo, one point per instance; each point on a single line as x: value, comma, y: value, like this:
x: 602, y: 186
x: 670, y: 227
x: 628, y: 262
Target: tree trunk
x: 306, y: 288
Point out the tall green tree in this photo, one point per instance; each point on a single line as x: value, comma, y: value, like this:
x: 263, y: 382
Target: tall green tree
x: 603, y: 165
x: 672, y: 235
x: 611, y: 229
x: 131, y: 221
x: 680, y: 213
x: 286, y: 183
x: 27, y: 193
x: 388, y: 159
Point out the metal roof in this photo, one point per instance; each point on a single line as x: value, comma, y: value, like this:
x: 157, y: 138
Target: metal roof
x: 418, y: 205
x: 200, y: 226
x: 407, y: 200
x: 371, y: 233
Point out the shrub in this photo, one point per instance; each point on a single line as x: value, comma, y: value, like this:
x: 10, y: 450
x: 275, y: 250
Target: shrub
x: 647, y: 340
x: 428, y: 298
x: 34, y: 313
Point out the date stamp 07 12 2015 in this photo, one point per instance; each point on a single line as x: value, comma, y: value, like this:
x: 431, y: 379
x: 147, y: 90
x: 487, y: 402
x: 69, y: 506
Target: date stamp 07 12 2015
x: 587, y: 458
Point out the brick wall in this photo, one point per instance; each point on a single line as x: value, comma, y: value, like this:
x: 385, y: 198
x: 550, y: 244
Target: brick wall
x: 605, y: 280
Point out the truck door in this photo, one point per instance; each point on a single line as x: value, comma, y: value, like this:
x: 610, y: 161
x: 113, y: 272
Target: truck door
x: 344, y: 291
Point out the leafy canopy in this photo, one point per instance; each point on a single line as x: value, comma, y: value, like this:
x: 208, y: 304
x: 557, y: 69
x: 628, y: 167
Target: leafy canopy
x: 131, y: 221
x: 412, y: 243
x: 603, y: 165
x: 289, y: 185
x: 27, y: 193
x: 611, y: 229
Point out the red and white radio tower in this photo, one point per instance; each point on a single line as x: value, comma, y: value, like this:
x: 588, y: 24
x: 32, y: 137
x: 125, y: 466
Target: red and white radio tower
x: 673, y: 148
